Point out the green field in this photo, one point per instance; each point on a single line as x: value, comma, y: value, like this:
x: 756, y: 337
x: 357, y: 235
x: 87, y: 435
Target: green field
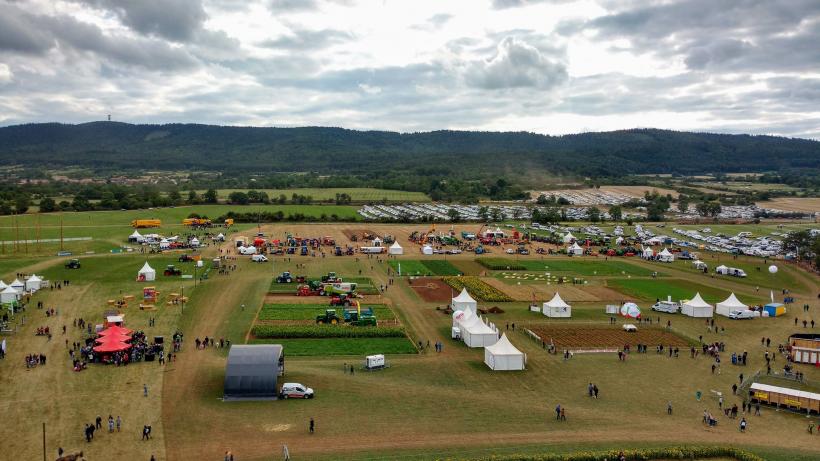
x: 342, y: 346
x: 310, y: 311
x: 757, y: 272
x: 581, y: 266
x: 650, y: 290
x: 357, y: 194
x: 413, y: 267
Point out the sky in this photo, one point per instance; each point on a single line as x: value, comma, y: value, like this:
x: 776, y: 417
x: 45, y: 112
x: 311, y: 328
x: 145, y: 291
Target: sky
x: 545, y: 66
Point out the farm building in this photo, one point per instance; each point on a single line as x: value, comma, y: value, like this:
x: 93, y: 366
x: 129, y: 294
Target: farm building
x: 805, y: 348
x: 503, y: 356
x: 464, y: 302
x: 147, y: 273
x: 556, y: 307
x: 730, y: 304
x: 252, y: 371
x: 696, y: 307
x: 785, y: 397
x: 395, y: 249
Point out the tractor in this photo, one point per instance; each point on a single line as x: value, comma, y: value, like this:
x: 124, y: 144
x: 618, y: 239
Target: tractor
x: 340, y: 300
x: 303, y: 251
x: 331, y: 277
x: 73, y: 264
x: 329, y: 241
x: 171, y: 270
x: 185, y: 258
x: 312, y: 288
x: 329, y: 317
x: 287, y: 277
x: 360, y: 317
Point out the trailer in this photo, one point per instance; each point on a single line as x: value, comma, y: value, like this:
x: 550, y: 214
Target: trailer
x: 145, y: 223
x: 784, y: 397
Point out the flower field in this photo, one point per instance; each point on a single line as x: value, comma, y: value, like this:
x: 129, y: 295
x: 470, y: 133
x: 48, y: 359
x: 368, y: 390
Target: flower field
x: 477, y: 288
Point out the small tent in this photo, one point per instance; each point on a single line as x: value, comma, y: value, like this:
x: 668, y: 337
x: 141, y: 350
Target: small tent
x: 575, y: 250
x: 147, y: 273
x: 476, y: 333
x: 194, y: 242
x: 464, y: 302
x: 377, y: 242
x: 730, y: 304
x: 722, y: 270
x: 395, y: 249
x: 220, y: 237
x: 647, y: 253
x: 9, y: 295
x: 427, y: 250
x: 33, y: 283
x: 569, y: 238
x: 503, y: 356
x: 18, y: 285
x: 696, y: 307
x: 666, y: 256
x: 164, y: 244
x: 556, y: 307
x: 136, y: 237
x: 619, y: 240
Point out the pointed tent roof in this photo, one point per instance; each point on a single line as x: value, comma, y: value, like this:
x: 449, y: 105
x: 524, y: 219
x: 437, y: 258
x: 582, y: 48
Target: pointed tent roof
x: 10, y: 290
x: 464, y: 297
x: 721, y: 267
x: 569, y: 236
x: 503, y: 347
x: 3, y: 285
x: 34, y: 278
x: 697, y: 301
x: 146, y: 268
x: 732, y: 301
x: 395, y: 245
x: 666, y: 252
x: 474, y: 325
x: 648, y: 251
x: 556, y: 301
x: 115, y: 330
x: 136, y: 234
x: 17, y: 283
x: 575, y: 246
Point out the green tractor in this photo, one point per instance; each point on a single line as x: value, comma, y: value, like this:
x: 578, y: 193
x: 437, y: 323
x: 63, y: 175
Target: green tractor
x: 329, y: 317
x: 331, y: 277
x: 360, y: 317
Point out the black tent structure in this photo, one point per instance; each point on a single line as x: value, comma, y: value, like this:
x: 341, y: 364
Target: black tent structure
x: 252, y: 372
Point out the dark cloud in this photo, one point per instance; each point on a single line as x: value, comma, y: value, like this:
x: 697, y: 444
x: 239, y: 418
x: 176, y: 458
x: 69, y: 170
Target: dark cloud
x: 177, y: 20
x: 305, y: 39
x: 19, y: 32
x: 516, y: 64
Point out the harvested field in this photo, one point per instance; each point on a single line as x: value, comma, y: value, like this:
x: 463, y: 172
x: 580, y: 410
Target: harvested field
x: 431, y: 289
x: 605, y: 336
x: 804, y: 204
x: 570, y: 293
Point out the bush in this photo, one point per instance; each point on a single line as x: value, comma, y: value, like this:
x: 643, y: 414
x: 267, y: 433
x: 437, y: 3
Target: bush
x: 325, y: 331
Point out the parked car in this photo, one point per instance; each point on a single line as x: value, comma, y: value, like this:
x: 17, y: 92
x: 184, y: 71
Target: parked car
x: 740, y: 315
x: 295, y: 391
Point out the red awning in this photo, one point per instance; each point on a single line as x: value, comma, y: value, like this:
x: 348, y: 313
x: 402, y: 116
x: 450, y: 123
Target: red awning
x: 116, y: 330
x: 112, y: 347
x: 113, y: 339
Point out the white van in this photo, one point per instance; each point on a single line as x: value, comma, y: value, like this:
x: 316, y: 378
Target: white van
x: 295, y: 391
x: 670, y: 307
x: 259, y: 258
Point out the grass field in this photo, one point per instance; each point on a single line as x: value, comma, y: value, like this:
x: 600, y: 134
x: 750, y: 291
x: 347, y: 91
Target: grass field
x: 412, y: 267
x: 358, y: 194
x: 579, y: 266
x: 310, y: 311
x: 341, y: 346
x: 650, y: 290
x: 756, y: 270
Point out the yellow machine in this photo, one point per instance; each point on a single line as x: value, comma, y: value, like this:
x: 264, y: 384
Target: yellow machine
x: 427, y: 234
x: 143, y: 223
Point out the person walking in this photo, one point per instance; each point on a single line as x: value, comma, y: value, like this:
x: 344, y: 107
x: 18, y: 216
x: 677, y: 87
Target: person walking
x: 312, y: 425
x: 145, y: 390
x: 110, y: 424
x: 558, y: 412
x: 757, y: 409
x: 119, y: 423
x: 669, y: 407
x: 743, y: 424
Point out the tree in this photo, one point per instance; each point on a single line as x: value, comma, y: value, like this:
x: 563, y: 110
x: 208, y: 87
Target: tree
x: 517, y: 213
x: 21, y: 204
x: 193, y: 198
x: 174, y: 196
x: 593, y: 214
x: 48, y: 205
x: 709, y: 208
x: 541, y: 200
x: 453, y: 214
x: 484, y: 213
x: 683, y: 204
x: 616, y: 212
x: 238, y: 198
x: 210, y: 196
x: 495, y: 214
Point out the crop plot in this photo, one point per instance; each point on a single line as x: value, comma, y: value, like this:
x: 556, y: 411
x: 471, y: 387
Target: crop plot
x: 569, y: 337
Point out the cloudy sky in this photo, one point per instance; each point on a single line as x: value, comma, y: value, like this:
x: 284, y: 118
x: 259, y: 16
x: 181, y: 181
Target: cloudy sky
x: 549, y: 66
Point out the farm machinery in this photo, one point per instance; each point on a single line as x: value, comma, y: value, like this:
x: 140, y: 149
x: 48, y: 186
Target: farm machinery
x: 339, y: 251
x: 185, y: 258
x: 329, y: 317
x: 73, y: 264
x: 360, y: 317
x: 343, y: 299
x: 287, y: 277
x: 171, y: 271
x: 331, y: 277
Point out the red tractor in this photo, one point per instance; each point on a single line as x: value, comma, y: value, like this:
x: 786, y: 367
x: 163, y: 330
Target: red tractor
x: 329, y: 241
x: 340, y: 300
x: 171, y: 271
x: 307, y: 290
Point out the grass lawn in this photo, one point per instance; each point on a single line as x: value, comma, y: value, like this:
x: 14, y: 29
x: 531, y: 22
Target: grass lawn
x: 310, y: 311
x: 762, y: 278
x: 358, y: 194
x: 579, y: 266
x: 651, y: 289
x: 413, y: 267
x: 342, y: 346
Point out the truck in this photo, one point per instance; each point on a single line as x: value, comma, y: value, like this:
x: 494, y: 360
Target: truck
x: 171, y: 270
x: 201, y: 222
x: 329, y: 241
x: 145, y: 223
x: 329, y: 317
x: 347, y: 288
x: 73, y: 264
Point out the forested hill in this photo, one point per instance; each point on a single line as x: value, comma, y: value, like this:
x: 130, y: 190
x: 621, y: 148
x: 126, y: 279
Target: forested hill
x: 108, y: 145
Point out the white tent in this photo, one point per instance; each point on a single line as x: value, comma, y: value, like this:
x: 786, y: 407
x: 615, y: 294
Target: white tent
x: 147, y: 273
x: 3, y: 285
x: 647, y: 253
x: 722, y: 270
x: 377, y: 242
x: 194, y: 242
x: 9, y: 295
x: 503, y: 356
x: 666, y: 256
x: 476, y: 333
x: 464, y: 302
x: 575, y: 250
x: 395, y: 249
x: 427, y: 250
x: 696, y: 307
x: 730, y: 304
x: 136, y: 237
x: 619, y: 240
x: 220, y: 237
x: 164, y: 244
x: 33, y: 283
x: 18, y: 285
x: 569, y: 237
x: 556, y: 307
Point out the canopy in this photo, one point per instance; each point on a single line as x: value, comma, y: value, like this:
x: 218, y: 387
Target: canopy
x: 135, y: 236
x: 631, y: 310
x: 648, y: 253
x: 666, y: 256
x: 575, y: 249
x: 569, y: 237
x: 730, y: 304
x: 477, y: 334
x: 194, y: 242
x: 395, y: 249
x: 9, y: 295
x: 503, y: 356
x: 666, y: 252
x: 3, y: 285
x: 112, y: 347
x: 17, y: 284
x: 147, y: 273
x: 33, y: 283
x: 696, y: 307
x: 113, y: 338
x: 115, y: 330
x: 427, y: 250
x: 464, y: 302
x: 556, y: 307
